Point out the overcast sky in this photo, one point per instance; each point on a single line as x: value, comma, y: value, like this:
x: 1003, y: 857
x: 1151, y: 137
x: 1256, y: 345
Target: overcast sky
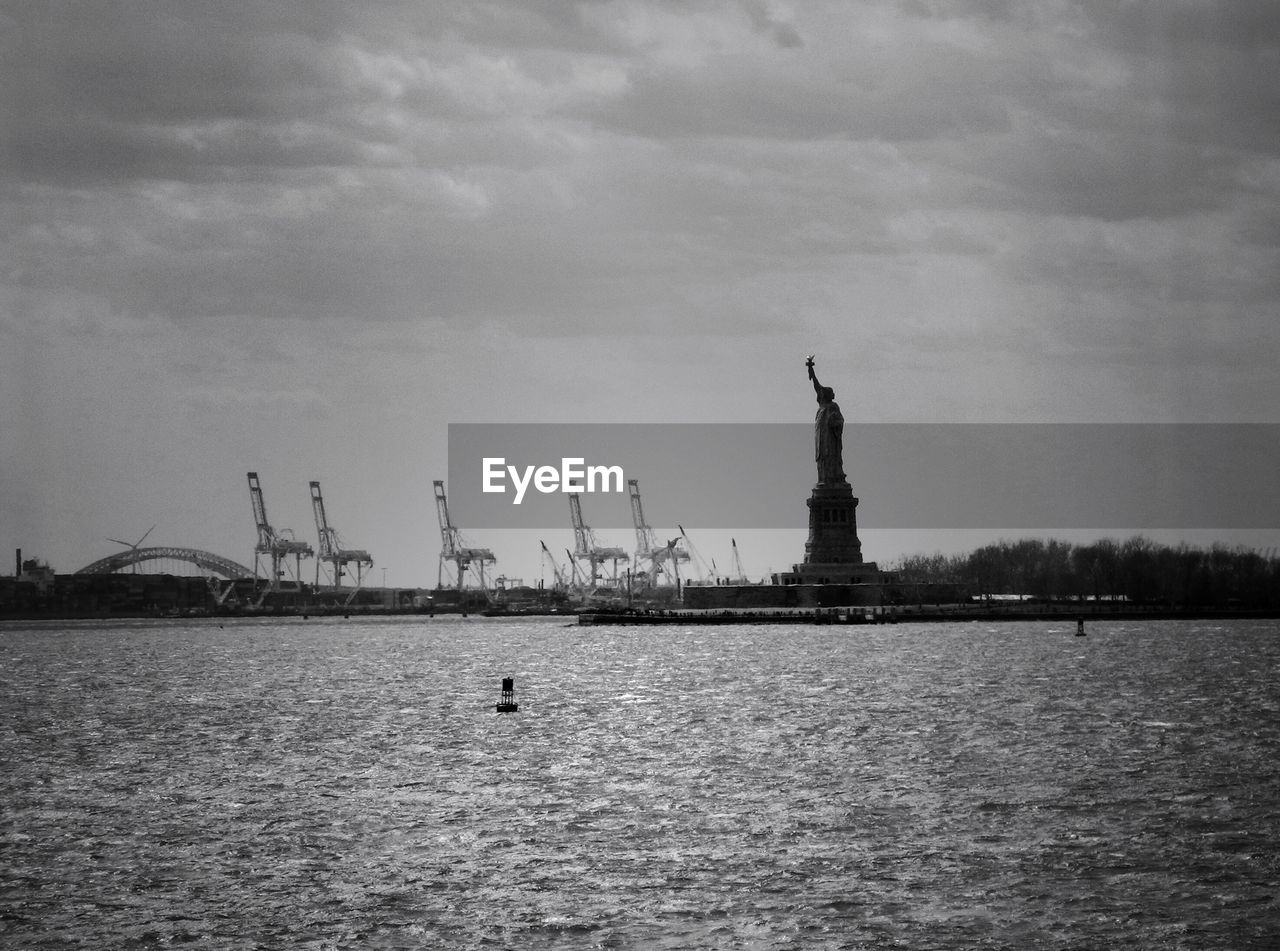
x: 303, y: 237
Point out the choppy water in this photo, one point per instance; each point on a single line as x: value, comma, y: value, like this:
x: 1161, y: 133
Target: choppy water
x: 344, y: 784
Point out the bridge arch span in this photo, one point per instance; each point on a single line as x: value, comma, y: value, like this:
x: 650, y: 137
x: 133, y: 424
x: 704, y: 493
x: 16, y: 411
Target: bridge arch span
x: 202, y: 559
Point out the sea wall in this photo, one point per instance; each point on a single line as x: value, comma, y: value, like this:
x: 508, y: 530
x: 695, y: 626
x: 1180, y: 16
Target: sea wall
x: 747, y: 596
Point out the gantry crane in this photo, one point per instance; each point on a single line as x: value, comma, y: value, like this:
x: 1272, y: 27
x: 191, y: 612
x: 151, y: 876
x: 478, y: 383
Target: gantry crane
x: 587, y: 549
x: 454, y: 549
x: 650, y: 556
x: 278, y: 544
x: 331, y: 551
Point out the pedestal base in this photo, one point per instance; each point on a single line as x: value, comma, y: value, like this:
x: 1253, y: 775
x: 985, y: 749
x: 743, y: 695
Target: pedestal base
x: 864, y: 572
x: 833, y: 554
x: 833, y: 526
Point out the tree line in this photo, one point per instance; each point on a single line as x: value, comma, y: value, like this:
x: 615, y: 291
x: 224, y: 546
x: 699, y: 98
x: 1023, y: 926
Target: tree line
x: 1137, y: 569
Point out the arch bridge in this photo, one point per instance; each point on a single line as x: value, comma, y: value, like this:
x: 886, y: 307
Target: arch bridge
x: 206, y: 561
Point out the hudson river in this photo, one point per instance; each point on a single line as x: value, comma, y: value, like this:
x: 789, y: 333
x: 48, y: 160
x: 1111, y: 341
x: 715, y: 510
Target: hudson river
x: 347, y: 784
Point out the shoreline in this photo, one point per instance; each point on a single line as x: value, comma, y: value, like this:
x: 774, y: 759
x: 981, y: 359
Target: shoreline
x: 713, y: 616
x: 846, y: 617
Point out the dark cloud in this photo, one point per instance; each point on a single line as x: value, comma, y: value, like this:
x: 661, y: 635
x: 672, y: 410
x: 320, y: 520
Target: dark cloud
x: 737, y: 100
x: 1163, y: 24
x: 172, y: 62
x: 1204, y: 73
x: 143, y: 91
x: 1083, y: 171
x: 996, y: 10
x: 548, y: 160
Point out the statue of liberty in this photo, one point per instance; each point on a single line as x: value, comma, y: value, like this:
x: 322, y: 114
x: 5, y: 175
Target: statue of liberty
x: 828, y: 433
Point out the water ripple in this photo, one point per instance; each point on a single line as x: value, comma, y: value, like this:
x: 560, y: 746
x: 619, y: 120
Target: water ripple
x: 347, y: 784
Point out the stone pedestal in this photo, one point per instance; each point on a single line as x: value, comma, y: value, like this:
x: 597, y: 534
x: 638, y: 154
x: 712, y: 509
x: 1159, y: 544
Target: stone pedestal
x: 833, y: 554
x: 833, y: 526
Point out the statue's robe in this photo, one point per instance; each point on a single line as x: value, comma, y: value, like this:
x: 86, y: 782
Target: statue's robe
x: 828, y: 436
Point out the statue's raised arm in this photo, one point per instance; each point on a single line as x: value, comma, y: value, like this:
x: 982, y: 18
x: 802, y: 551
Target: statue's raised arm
x: 817, y: 387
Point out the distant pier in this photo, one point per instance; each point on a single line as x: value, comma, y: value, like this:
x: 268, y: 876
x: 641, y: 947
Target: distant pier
x: 899, y: 615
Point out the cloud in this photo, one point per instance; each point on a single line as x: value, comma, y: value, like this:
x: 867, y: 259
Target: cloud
x: 623, y: 168
x: 547, y: 163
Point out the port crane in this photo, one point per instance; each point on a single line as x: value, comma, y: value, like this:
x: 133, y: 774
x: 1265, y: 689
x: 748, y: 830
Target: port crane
x: 561, y: 585
x: 579, y: 579
x: 703, y: 571
x: 454, y: 550
x: 331, y: 551
x: 587, y: 549
x: 279, y: 545
x: 739, y: 576
x: 650, y: 557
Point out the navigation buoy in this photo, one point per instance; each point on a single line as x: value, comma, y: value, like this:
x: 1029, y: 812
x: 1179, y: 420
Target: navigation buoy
x: 508, y: 702
x: 1080, y: 627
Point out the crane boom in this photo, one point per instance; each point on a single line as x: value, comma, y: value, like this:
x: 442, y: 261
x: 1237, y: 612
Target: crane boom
x: 448, y: 534
x: 265, y: 535
x: 650, y: 556
x: 579, y: 579
x: 703, y: 571
x: 583, y: 541
x: 739, y: 576
x: 454, y: 549
x: 560, y: 583
x: 331, y: 550
x: 646, y: 541
x: 328, y: 544
x: 278, y: 545
x: 586, y: 548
